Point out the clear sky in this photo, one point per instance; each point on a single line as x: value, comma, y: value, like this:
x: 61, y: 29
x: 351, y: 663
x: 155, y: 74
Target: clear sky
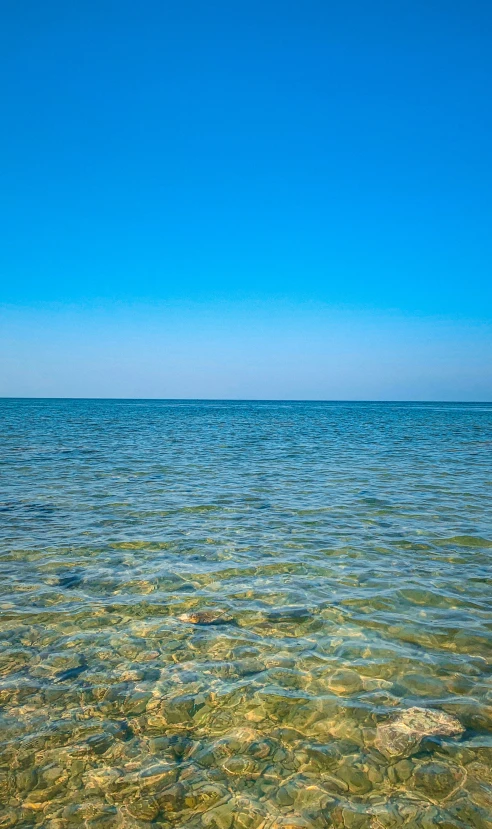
x: 246, y: 199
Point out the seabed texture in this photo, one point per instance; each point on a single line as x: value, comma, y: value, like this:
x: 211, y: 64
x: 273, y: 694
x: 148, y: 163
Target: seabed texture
x: 245, y: 615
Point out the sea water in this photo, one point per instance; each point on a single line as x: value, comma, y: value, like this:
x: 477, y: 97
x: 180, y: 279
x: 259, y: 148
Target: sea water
x: 237, y: 615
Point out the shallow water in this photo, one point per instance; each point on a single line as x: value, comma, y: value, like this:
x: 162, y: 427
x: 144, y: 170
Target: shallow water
x: 211, y: 611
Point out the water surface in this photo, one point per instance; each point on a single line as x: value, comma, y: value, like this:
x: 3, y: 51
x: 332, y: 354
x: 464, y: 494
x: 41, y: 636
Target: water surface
x: 211, y: 611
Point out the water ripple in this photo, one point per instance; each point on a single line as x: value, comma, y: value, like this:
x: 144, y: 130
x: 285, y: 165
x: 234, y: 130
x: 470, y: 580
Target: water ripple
x: 245, y: 615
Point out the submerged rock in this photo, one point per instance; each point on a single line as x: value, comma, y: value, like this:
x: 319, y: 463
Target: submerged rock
x: 405, y: 733
x: 438, y: 781
x: 345, y: 681
x: 202, y: 796
x: 222, y: 817
x: 290, y: 822
x: 289, y: 613
x: 171, y: 799
x: 181, y: 709
x: 206, y: 617
x: 143, y: 808
x: 355, y: 778
x: 244, y: 767
x: 248, y: 813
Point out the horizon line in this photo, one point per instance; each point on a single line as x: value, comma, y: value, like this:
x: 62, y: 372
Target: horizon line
x: 244, y: 400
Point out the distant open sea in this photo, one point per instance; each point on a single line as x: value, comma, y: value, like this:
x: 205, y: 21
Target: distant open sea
x: 245, y: 615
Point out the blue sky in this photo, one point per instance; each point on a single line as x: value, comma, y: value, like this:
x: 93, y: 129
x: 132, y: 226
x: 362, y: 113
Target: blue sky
x: 234, y: 199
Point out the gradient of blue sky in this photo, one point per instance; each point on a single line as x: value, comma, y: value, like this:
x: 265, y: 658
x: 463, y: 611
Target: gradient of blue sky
x: 246, y: 199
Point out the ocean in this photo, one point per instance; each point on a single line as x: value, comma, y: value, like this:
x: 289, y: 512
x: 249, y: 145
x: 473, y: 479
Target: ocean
x: 245, y: 615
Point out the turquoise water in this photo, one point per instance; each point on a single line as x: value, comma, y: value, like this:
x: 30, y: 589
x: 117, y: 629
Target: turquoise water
x: 222, y: 615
